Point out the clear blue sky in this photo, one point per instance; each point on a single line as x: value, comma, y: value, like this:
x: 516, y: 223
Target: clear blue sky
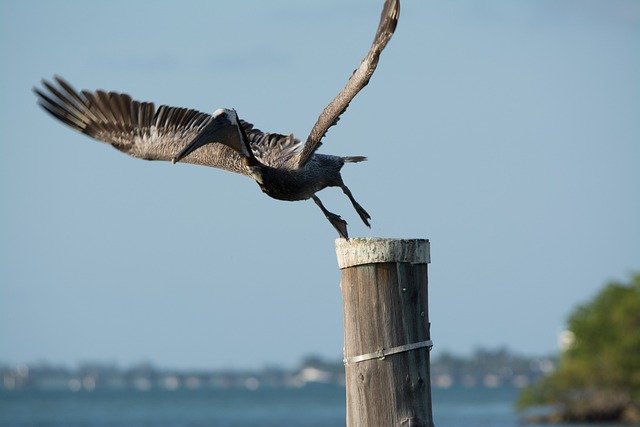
x: 508, y: 133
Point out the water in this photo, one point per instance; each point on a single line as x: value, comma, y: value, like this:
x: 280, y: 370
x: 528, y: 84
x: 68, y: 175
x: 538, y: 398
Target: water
x: 308, y: 407
x: 321, y: 406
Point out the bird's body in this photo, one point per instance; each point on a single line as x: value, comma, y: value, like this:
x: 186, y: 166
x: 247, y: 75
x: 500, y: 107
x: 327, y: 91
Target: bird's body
x: 299, y: 184
x: 283, y: 167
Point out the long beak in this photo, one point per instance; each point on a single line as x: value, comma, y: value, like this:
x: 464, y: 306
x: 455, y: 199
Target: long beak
x: 219, y: 130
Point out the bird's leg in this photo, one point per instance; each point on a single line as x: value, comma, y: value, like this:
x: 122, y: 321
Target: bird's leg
x: 338, y: 223
x: 363, y: 214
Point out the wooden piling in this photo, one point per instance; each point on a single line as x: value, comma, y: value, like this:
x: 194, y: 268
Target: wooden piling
x: 386, y: 331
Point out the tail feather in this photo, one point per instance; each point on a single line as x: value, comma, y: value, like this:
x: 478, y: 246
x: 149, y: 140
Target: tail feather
x: 354, y: 159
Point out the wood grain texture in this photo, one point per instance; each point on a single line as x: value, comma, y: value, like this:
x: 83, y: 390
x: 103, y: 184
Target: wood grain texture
x: 386, y: 305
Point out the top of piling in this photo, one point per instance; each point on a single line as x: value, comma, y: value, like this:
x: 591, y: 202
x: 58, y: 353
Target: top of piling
x: 371, y: 250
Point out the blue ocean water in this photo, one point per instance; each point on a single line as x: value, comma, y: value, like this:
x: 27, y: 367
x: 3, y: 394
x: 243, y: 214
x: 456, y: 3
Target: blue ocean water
x: 317, y: 406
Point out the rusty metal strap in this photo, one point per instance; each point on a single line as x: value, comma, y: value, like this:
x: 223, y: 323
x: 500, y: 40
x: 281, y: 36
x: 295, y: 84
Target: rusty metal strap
x: 382, y: 353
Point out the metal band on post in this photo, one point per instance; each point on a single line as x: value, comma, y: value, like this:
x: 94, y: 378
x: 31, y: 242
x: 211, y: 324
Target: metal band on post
x: 382, y: 353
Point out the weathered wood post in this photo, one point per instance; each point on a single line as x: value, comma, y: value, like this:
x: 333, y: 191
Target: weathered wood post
x: 386, y: 331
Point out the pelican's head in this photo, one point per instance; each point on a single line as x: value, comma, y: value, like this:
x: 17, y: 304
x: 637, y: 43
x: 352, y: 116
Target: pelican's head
x: 224, y: 128
x: 227, y: 113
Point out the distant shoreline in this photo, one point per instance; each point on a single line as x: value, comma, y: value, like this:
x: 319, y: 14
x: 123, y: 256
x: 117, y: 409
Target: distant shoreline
x: 484, y: 369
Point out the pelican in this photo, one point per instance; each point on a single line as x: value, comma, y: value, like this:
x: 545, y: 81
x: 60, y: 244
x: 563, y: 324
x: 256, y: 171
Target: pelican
x: 283, y: 167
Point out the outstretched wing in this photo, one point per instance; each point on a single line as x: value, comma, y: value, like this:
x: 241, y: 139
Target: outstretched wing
x: 357, y: 81
x: 137, y: 129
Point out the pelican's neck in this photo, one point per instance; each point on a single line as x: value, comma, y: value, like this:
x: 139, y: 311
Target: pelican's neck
x: 249, y: 159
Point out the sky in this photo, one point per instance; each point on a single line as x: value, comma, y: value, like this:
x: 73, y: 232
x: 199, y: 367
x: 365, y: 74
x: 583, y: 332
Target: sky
x: 507, y: 133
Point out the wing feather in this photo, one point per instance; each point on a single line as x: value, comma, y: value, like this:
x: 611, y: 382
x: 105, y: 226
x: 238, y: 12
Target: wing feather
x: 358, y: 80
x: 137, y: 129
x: 134, y: 127
x: 272, y: 149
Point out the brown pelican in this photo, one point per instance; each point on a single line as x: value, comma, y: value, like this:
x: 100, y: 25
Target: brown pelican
x: 283, y: 169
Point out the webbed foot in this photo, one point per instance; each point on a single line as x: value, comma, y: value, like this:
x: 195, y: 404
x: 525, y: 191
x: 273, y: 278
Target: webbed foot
x: 338, y: 223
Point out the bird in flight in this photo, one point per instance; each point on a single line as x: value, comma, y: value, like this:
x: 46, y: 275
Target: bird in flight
x: 283, y: 167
